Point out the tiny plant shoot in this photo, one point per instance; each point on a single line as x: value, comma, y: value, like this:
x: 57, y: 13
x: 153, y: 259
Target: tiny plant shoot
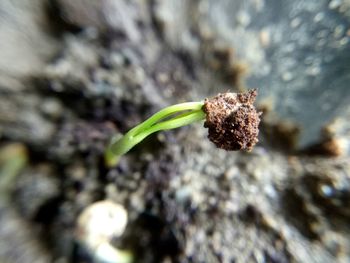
x: 231, y: 119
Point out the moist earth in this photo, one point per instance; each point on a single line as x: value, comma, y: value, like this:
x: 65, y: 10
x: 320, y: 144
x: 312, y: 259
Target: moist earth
x: 87, y: 70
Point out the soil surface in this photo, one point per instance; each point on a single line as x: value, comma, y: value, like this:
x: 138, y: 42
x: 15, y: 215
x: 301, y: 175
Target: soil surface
x: 75, y: 73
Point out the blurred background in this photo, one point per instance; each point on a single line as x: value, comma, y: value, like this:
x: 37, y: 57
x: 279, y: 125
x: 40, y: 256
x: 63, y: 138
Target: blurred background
x: 75, y: 73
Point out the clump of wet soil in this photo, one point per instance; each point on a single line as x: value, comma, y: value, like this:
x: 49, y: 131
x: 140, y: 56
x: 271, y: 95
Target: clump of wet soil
x: 232, y: 120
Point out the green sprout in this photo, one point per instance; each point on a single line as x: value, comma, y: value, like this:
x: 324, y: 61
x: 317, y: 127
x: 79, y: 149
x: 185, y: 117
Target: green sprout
x: 171, y: 117
x: 231, y: 119
x: 13, y: 158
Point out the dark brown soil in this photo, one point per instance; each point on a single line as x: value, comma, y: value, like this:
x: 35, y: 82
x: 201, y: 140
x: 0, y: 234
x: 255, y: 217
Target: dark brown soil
x: 232, y: 120
x: 111, y: 65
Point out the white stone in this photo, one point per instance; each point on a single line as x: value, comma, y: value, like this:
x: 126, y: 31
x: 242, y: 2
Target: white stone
x: 100, y: 222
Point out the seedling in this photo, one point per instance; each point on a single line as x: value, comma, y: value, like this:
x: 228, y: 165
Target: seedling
x: 231, y: 119
x: 13, y: 158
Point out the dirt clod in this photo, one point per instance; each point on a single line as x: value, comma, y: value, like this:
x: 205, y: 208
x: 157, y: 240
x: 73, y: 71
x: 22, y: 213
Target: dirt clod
x: 232, y: 120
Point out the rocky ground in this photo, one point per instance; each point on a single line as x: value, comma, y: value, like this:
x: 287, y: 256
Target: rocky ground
x: 75, y: 73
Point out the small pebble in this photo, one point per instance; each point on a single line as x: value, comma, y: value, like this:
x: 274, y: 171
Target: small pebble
x: 101, y: 222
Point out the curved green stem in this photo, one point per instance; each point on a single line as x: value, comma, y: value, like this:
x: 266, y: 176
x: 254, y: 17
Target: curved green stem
x: 166, y: 112
x: 185, y: 113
